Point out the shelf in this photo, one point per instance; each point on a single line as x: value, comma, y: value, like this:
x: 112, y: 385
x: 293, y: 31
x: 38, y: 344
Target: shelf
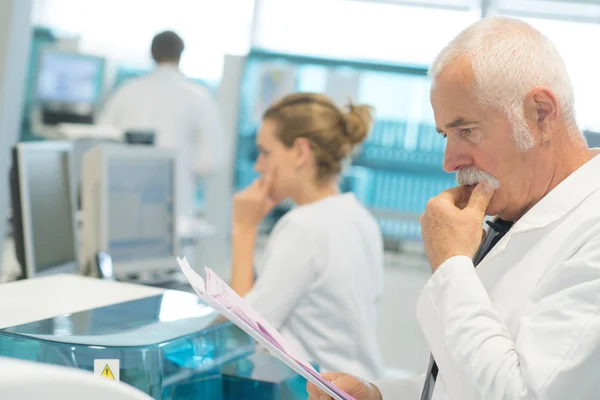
x: 399, y: 166
x: 376, y: 66
x: 395, y: 159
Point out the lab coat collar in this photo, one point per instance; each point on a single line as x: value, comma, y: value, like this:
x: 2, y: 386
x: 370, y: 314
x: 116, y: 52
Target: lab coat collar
x: 563, y: 198
x: 167, y: 69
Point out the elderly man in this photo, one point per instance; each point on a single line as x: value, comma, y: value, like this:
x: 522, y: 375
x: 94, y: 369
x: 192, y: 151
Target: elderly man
x: 525, y: 324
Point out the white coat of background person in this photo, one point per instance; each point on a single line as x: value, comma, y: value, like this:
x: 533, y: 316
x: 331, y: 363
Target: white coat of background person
x: 183, y: 115
x: 525, y: 324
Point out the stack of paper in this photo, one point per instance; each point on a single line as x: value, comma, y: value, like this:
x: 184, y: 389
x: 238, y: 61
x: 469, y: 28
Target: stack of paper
x: 217, y: 294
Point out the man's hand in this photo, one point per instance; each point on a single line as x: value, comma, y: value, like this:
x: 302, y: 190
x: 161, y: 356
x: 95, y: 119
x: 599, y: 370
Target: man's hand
x: 355, y: 387
x: 251, y: 205
x: 452, y: 222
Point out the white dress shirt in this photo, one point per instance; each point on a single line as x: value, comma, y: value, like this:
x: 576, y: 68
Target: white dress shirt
x: 184, y: 117
x: 320, y: 284
x: 526, y: 323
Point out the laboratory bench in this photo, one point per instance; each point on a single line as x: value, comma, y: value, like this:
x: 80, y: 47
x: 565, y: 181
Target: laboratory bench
x: 168, y: 343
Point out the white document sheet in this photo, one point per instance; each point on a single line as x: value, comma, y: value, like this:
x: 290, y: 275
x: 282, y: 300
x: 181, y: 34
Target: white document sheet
x: 217, y: 294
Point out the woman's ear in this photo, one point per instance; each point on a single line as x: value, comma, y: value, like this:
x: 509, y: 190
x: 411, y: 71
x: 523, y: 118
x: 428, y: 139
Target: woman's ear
x: 301, y: 151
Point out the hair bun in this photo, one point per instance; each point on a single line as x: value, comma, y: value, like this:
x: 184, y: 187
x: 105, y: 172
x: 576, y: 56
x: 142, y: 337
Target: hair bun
x: 358, y: 120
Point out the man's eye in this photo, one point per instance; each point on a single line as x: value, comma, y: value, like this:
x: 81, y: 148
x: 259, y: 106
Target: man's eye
x: 466, y: 132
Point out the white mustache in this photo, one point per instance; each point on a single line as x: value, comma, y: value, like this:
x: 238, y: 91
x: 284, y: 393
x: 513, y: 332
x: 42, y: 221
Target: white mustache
x: 472, y: 176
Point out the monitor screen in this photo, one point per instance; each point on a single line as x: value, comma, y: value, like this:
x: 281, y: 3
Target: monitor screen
x: 46, y: 174
x: 69, y: 78
x: 140, y: 209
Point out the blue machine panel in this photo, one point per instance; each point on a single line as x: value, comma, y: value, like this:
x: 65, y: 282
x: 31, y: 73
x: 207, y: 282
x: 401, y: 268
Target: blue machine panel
x: 169, y: 346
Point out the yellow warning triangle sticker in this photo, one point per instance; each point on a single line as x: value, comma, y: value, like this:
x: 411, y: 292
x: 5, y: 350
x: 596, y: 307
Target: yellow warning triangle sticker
x: 107, y: 373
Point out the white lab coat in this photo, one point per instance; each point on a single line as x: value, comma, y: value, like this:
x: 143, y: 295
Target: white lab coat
x: 322, y: 258
x: 526, y: 323
x: 184, y: 116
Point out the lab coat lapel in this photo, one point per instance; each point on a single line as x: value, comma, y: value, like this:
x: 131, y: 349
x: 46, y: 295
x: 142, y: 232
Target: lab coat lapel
x: 562, y: 199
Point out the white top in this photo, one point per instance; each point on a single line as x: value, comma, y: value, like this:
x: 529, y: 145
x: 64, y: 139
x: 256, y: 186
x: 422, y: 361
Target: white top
x: 320, y: 283
x: 526, y: 323
x: 184, y: 117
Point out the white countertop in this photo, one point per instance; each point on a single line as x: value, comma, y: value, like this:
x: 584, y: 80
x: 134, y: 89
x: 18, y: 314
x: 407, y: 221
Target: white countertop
x: 35, y: 299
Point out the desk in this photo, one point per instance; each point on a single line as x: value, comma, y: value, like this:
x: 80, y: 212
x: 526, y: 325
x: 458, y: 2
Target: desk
x: 191, y: 232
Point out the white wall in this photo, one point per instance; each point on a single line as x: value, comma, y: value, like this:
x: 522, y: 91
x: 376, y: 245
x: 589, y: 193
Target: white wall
x: 357, y: 29
x: 123, y: 30
x: 384, y: 31
x: 575, y: 42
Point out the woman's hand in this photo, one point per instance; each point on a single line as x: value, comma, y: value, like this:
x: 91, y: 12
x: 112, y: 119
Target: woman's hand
x: 251, y: 205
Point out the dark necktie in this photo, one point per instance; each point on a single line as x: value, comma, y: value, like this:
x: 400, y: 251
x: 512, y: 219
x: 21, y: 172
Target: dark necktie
x: 498, y: 229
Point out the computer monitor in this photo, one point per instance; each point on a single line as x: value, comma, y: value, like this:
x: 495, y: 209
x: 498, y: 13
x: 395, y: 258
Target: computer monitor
x: 69, y: 78
x: 129, y: 207
x: 43, y: 208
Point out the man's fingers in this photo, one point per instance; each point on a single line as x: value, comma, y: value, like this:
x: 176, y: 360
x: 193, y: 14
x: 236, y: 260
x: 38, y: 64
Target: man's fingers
x: 480, y: 198
x: 316, y: 393
x: 456, y: 195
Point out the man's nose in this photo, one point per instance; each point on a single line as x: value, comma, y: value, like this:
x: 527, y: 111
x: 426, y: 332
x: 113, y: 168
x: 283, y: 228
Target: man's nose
x: 455, y: 157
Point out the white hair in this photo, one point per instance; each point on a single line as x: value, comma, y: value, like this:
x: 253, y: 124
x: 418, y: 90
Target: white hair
x: 508, y: 58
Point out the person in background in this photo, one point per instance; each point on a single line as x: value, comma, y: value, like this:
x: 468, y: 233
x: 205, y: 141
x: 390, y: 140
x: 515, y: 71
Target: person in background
x: 183, y: 115
x: 525, y: 323
x: 320, y: 280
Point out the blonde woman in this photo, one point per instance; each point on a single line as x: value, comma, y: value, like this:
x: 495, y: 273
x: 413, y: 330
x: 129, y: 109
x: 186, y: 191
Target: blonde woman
x: 320, y: 280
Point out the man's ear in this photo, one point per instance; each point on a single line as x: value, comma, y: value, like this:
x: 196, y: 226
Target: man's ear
x: 541, y: 111
x: 301, y: 151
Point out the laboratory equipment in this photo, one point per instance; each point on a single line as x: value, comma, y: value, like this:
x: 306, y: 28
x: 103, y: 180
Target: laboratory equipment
x: 41, y: 37
x: 37, y: 381
x: 80, y: 147
x: 167, y: 344
x: 69, y: 78
x: 43, y: 208
x: 104, y: 266
x: 129, y: 207
x: 140, y: 137
x: 68, y: 89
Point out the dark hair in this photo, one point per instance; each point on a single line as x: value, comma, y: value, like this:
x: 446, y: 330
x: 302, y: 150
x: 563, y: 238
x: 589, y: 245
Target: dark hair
x: 167, y: 46
x: 332, y: 132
